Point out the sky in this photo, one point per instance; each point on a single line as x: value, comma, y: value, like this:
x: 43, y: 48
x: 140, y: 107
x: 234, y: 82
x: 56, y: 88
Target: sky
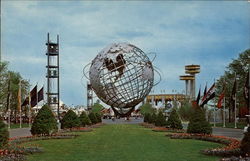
x: 208, y: 33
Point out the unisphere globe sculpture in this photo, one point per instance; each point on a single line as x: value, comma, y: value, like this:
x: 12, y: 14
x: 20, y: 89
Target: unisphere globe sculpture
x: 121, y: 75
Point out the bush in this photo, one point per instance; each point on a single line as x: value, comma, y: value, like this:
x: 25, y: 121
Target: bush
x: 146, y: 117
x: 93, y: 118
x: 198, y: 123
x: 70, y: 120
x: 84, y: 119
x: 4, y: 134
x: 44, y: 123
x: 152, y: 118
x: 174, y: 120
x: 245, y: 143
x: 160, y: 119
x: 98, y: 117
x: 185, y: 111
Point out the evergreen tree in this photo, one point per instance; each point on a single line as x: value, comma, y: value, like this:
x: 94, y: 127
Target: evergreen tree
x: 84, y: 119
x: 70, y: 120
x: 146, y: 117
x: 245, y: 143
x: 160, y: 119
x: 4, y: 134
x: 98, y: 117
x: 44, y: 123
x: 152, y: 118
x: 198, y: 123
x: 174, y: 120
x: 93, y: 118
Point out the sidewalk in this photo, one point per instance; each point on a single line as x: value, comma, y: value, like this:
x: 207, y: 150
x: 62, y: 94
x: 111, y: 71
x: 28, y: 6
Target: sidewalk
x: 19, y: 132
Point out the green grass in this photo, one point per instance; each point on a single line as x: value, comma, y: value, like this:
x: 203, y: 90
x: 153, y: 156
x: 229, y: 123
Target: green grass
x: 122, y: 143
x: 15, y: 126
x: 240, y: 125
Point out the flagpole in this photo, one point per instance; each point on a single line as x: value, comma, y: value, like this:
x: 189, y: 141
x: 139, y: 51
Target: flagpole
x: 29, y: 109
x: 235, y: 124
x: 214, y: 107
x: 9, y: 111
x: 19, y: 104
x: 37, y: 96
x: 224, y: 111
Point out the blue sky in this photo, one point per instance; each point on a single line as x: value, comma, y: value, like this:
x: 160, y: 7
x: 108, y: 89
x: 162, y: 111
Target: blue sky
x: 208, y: 33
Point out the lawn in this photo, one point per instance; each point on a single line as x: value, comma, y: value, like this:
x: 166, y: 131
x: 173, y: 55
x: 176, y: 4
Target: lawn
x: 15, y: 126
x: 122, y: 143
x: 240, y: 125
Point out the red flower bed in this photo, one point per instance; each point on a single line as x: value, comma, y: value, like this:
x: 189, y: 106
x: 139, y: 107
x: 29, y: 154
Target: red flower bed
x: 164, y: 129
x: 147, y: 125
x: 232, y: 145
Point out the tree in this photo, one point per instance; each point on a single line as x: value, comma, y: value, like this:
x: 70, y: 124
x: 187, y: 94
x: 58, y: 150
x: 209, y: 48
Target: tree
x: 93, y: 118
x: 240, y: 66
x: 174, y: 120
x: 44, y: 123
x: 146, y: 108
x: 185, y: 111
x: 160, y: 119
x: 152, y: 118
x: 198, y: 123
x: 4, y: 134
x: 84, y: 119
x: 146, y: 117
x: 97, y: 107
x: 70, y: 120
x: 245, y: 143
x: 98, y: 117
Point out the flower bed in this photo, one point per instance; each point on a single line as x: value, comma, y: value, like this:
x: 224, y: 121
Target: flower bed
x: 79, y: 129
x: 232, y: 145
x: 147, y: 125
x: 164, y: 129
x: 97, y: 125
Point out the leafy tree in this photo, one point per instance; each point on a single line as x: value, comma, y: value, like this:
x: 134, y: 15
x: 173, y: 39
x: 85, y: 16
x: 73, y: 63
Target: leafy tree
x: 185, y: 111
x: 240, y: 66
x: 160, y: 119
x: 198, y: 123
x: 70, y: 120
x: 97, y: 107
x: 93, y: 118
x: 44, y: 123
x: 245, y: 143
x: 146, y: 108
x: 4, y: 134
x: 174, y: 120
x: 84, y: 119
x: 98, y: 117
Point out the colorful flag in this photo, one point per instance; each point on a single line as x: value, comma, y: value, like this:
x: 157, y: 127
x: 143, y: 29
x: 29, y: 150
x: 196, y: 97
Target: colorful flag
x: 40, y: 95
x: 198, y: 97
x: 233, y: 95
x: 205, y: 92
x: 209, y: 95
x: 25, y: 102
x: 222, y: 95
x: 19, y: 97
x: 33, y: 96
x: 246, y: 90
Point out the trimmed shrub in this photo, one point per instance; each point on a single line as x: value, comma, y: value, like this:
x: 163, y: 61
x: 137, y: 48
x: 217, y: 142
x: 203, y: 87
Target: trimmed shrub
x: 160, y: 119
x: 245, y: 143
x: 93, y: 118
x: 152, y: 119
x: 174, y: 120
x: 198, y: 123
x: 84, y: 119
x: 146, y: 117
x: 98, y: 117
x: 70, y: 120
x: 44, y: 123
x: 4, y: 134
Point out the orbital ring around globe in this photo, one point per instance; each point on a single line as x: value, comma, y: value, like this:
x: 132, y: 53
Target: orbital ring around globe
x: 121, y: 75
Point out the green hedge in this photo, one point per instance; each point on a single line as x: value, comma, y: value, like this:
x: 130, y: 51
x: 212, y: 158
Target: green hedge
x: 4, y: 134
x: 44, y: 123
x: 70, y: 120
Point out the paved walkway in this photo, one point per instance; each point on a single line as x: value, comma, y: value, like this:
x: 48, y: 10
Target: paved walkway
x: 20, y: 132
x: 229, y: 132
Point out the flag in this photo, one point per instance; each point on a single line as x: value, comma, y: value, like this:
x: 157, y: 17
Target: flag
x: 19, y: 97
x: 205, y: 92
x: 208, y: 96
x: 233, y: 95
x: 40, y: 95
x: 198, y: 97
x: 246, y: 90
x: 222, y: 95
x: 25, y: 102
x: 33, y: 96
